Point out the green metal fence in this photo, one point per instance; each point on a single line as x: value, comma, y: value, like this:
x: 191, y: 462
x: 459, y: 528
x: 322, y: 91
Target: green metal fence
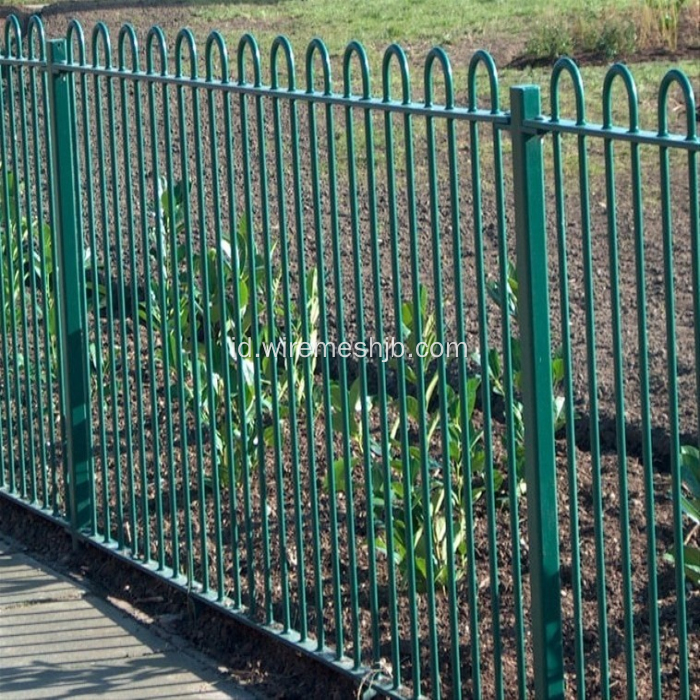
x: 457, y: 523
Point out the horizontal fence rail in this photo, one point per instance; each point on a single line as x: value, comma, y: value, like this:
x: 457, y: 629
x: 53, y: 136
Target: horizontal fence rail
x: 402, y: 382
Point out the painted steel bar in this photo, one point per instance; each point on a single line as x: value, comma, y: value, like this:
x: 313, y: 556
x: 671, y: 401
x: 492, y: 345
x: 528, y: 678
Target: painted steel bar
x: 305, y: 291
x: 257, y: 445
x: 122, y: 408
x: 56, y: 316
x: 540, y: 463
x: 376, y: 104
x: 197, y: 570
x: 258, y: 332
x: 164, y: 217
x: 364, y: 425
x: 207, y: 405
x: 146, y: 307
x: 73, y: 308
x: 170, y: 127
x: 36, y: 42
x: 396, y: 52
x: 420, y: 386
x: 75, y: 41
x: 344, y: 390
x: 286, y: 552
x: 609, y: 131
x: 15, y: 268
x: 6, y: 300
x: 484, y: 348
x: 672, y: 353
x: 131, y: 123
x: 238, y: 224
x: 317, y: 47
x: 122, y: 400
x: 613, y: 241
x: 220, y: 472
x: 29, y: 305
x: 566, y: 65
x: 293, y: 379
x: 101, y: 38
x: 385, y: 451
x: 272, y: 370
x: 440, y: 57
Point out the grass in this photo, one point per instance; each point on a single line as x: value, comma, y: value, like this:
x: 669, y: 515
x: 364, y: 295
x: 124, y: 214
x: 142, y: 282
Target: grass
x: 377, y: 24
x: 460, y: 25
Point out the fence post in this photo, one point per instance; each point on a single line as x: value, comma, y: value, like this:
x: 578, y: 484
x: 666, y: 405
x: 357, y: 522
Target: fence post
x: 540, y: 464
x: 71, y: 302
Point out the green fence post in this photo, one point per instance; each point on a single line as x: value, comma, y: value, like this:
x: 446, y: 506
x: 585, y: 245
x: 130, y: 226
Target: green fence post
x: 540, y: 465
x: 72, y: 305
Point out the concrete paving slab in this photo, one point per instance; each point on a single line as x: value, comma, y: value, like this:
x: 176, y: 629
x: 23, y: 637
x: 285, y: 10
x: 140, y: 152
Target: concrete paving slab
x: 21, y: 579
x: 57, y: 640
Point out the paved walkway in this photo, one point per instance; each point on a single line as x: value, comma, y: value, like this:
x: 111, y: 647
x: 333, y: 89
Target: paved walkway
x: 58, y: 640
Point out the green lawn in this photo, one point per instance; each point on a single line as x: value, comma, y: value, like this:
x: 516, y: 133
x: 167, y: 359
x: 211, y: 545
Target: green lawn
x: 506, y: 28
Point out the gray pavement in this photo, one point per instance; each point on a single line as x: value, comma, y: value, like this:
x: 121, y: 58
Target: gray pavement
x: 59, y: 640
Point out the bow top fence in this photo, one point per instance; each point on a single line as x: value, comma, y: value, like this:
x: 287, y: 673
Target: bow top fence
x: 411, y: 385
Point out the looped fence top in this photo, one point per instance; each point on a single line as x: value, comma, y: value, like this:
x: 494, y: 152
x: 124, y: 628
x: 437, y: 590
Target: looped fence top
x: 395, y: 51
x: 13, y: 37
x: 216, y: 42
x: 185, y: 36
x: 681, y: 79
x: 484, y: 58
x: 100, y: 36
x: 621, y: 71
x: 36, y: 37
x: 248, y: 41
x: 155, y: 39
x: 127, y: 34
x: 355, y: 48
x: 566, y: 65
x: 438, y: 54
x: 281, y: 43
x: 316, y: 46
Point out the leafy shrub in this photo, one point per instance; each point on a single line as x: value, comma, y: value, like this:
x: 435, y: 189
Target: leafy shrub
x: 239, y: 320
x: 617, y: 37
x: 550, y: 40
x: 665, y: 17
x: 26, y: 257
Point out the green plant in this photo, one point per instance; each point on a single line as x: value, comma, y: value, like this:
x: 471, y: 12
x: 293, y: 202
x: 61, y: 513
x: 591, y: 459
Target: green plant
x: 507, y: 300
x: 236, y: 272
x: 550, y: 40
x: 430, y: 513
x: 26, y: 254
x: 690, y: 503
x: 400, y: 493
x: 666, y: 16
x: 617, y: 36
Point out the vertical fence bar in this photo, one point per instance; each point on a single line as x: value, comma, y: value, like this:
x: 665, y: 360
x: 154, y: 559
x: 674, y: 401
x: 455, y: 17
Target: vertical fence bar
x: 540, y: 464
x: 72, y: 282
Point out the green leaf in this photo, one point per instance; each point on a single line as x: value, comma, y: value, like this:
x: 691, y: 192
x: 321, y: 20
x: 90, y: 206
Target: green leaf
x: 691, y: 560
x: 690, y: 468
x: 495, y: 364
x: 558, y: 370
x: 691, y: 507
x: 473, y: 384
x: 339, y: 477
